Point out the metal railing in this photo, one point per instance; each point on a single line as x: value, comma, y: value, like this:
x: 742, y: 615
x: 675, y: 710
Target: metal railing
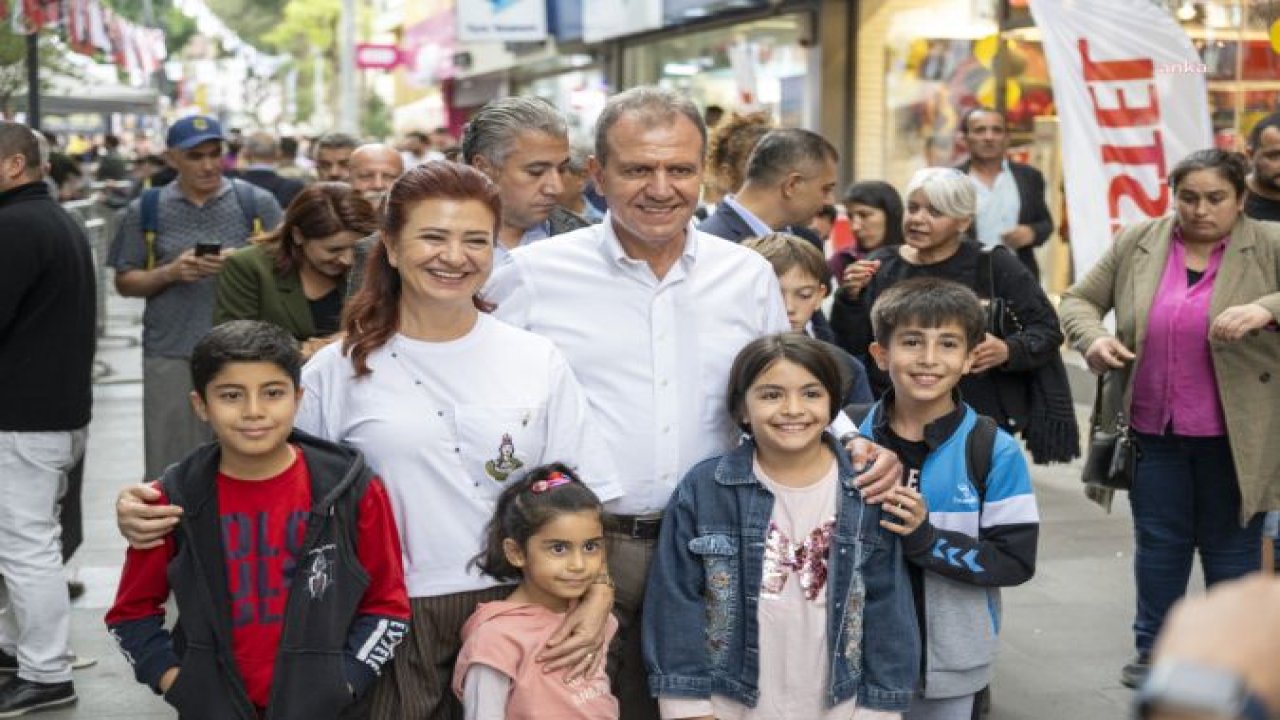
x: 99, y: 222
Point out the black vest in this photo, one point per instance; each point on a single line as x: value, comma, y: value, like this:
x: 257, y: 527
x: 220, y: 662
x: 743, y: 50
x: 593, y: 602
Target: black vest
x: 309, y: 681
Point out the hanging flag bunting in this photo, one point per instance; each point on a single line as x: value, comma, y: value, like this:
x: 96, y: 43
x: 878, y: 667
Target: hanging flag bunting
x: 1132, y: 100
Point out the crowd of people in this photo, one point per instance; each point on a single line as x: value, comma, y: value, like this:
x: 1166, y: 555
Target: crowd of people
x: 528, y: 427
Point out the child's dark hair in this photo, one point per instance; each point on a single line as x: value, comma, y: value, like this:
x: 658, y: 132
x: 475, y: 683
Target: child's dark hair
x: 244, y: 341
x: 524, y: 507
x: 931, y: 303
x: 812, y: 355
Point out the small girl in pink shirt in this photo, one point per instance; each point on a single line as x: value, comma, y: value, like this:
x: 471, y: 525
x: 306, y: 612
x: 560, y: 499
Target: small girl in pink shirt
x: 547, y: 532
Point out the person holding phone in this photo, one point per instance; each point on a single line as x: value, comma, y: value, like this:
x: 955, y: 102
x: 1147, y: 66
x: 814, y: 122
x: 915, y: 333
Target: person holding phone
x: 296, y: 275
x: 155, y: 257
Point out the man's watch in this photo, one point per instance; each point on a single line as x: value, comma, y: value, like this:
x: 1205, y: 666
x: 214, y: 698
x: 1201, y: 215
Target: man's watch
x: 1188, y: 687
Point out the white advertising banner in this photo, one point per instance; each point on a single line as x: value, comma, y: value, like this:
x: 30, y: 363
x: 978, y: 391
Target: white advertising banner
x: 603, y: 20
x: 1132, y: 100
x: 502, y: 20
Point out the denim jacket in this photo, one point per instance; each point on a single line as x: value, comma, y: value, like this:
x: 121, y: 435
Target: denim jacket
x: 700, y: 624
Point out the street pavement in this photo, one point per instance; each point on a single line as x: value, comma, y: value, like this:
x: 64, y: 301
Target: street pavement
x: 1065, y: 634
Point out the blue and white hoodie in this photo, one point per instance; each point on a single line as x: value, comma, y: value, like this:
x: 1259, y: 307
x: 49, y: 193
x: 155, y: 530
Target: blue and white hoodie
x: 967, y: 549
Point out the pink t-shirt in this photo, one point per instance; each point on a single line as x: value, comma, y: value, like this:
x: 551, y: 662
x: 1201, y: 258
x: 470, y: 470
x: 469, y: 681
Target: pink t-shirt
x: 507, y: 636
x: 792, y: 614
x: 1175, y: 385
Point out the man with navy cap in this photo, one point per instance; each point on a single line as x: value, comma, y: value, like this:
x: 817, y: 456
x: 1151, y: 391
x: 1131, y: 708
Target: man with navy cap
x: 170, y: 246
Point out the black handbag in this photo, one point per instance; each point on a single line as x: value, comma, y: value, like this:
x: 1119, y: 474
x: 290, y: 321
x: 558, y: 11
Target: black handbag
x: 1001, y: 320
x: 1112, y: 458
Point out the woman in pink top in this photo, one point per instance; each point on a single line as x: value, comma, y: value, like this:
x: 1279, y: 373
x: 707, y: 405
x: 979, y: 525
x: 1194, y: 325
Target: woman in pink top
x: 1196, y: 297
x: 546, y: 532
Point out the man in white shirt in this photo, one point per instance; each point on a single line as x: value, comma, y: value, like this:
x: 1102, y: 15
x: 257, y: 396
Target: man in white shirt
x: 650, y: 314
x: 1011, y: 206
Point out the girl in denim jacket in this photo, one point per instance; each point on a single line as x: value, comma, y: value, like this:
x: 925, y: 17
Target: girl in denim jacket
x: 775, y: 591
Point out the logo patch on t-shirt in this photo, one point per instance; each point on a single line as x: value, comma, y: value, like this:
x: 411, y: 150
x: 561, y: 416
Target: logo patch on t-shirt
x: 501, y: 467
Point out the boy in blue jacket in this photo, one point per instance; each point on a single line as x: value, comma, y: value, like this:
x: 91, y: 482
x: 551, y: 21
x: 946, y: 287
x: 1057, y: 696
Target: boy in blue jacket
x: 980, y: 533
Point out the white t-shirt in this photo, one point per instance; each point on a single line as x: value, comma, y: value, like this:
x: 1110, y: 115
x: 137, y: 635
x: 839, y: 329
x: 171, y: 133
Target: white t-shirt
x: 447, y: 426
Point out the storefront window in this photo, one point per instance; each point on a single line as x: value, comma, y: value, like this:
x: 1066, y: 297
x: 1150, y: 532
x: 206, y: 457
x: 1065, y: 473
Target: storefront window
x: 939, y: 60
x: 1239, y: 57
x: 756, y: 65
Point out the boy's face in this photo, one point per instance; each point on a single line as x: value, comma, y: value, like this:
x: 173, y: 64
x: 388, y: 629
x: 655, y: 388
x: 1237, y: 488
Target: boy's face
x: 925, y: 363
x: 250, y: 406
x: 802, y: 294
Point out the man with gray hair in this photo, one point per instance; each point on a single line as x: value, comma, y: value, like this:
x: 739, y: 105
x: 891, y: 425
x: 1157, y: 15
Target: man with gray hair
x: 522, y: 144
x: 47, y: 335
x: 260, y: 155
x: 374, y: 167
x: 650, y: 313
x: 790, y: 175
x: 575, y: 179
x: 333, y: 156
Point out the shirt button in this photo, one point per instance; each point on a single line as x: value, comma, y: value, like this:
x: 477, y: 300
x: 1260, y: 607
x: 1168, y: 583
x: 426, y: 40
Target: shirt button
x: 1265, y: 377
x: 663, y: 382
x: 667, y: 429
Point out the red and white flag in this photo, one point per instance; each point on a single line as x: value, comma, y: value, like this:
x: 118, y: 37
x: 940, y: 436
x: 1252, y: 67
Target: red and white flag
x: 1132, y: 100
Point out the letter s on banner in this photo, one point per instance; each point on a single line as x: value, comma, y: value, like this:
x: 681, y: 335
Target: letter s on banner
x: 1123, y: 123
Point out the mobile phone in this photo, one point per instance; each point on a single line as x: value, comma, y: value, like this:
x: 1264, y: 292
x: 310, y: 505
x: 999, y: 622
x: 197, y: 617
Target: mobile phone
x: 208, y: 248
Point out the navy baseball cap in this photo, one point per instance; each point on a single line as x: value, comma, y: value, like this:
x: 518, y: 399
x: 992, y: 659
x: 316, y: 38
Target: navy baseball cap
x: 193, y: 130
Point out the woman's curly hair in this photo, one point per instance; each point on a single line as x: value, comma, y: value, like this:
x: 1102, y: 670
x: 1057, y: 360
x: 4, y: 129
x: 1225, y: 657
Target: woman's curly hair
x: 730, y: 146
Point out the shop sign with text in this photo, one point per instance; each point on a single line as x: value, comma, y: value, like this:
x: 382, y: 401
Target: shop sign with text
x: 502, y: 20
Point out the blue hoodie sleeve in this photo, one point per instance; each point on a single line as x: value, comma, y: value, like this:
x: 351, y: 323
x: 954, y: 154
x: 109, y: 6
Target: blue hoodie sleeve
x: 1004, y: 552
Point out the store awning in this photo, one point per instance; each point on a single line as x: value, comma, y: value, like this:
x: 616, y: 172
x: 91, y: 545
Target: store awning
x: 95, y: 99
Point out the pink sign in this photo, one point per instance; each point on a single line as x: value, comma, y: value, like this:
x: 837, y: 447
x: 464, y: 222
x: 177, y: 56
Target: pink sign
x: 377, y: 57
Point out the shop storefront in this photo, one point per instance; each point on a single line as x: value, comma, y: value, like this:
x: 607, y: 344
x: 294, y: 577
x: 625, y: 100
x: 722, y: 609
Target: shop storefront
x: 742, y: 60
x: 921, y: 63
x: 568, y: 74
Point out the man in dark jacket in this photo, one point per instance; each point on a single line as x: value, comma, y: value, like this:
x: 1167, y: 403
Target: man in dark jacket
x: 791, y: 174
x: 261, y: 153
x: 1011, y: 206
x: 47, y: 295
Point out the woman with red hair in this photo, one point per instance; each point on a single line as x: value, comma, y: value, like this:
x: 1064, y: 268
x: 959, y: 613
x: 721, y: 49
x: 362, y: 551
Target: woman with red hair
x: 449, y: 406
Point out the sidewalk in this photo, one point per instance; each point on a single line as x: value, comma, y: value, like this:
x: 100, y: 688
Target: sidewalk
x: 1065, y: 635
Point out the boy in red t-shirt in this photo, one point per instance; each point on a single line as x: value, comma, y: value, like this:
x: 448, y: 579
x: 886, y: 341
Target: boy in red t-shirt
x: 286, y: 566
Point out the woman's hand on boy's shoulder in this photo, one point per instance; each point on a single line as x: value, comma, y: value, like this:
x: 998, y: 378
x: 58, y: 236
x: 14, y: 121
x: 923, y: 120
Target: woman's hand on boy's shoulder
x: 142, y: 521
x: 883, y: 469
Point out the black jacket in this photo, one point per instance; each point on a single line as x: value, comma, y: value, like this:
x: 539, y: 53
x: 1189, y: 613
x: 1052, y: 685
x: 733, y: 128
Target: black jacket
x: 48, y: 295
x: 322, y: 635
x: 1033, y: 210
x: 725, y: 222
x: 1002, y: 393
x: 284, y: 189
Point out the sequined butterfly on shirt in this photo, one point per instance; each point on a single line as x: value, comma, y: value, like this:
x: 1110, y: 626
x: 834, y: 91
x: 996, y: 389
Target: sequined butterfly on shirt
x: 784, y: 557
